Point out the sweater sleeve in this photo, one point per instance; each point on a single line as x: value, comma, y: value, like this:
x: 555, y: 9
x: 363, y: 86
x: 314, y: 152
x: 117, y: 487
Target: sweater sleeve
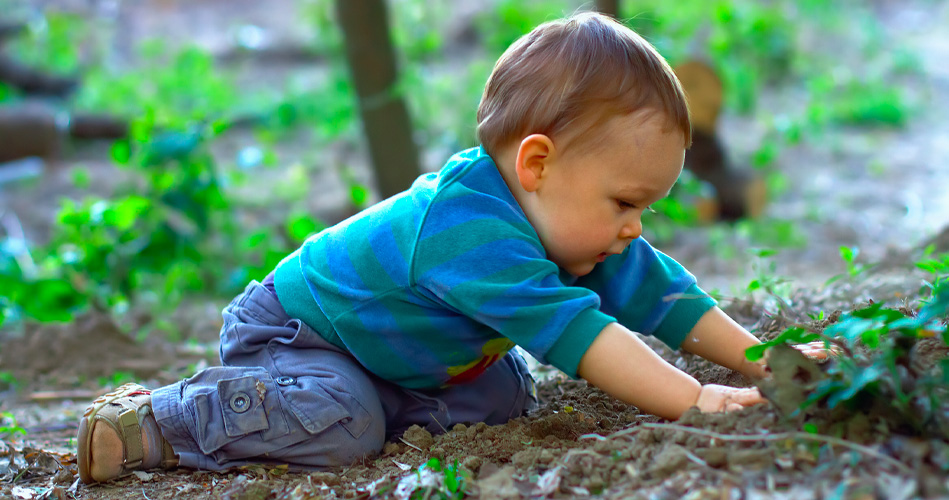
x: 490, y: 267
x: 649, y: 292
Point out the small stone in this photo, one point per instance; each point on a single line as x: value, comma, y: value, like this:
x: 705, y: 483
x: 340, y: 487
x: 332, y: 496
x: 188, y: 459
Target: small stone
x: 419, y: 437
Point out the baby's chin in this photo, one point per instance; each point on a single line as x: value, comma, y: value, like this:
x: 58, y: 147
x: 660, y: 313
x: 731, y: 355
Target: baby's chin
x: 582, y: 269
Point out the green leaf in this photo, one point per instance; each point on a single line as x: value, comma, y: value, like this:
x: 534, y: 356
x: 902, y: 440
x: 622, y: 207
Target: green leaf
x: 451, y: 480
x: 121, y: 152
x: 81, y: 177
x: 795, y: 335
x: 300, y: 226
x: 127, y: 211
x: 763, y: 252
x: 359, y: 194
x: 864, y: 377
x: 850, y: 328
x: 848, y: 253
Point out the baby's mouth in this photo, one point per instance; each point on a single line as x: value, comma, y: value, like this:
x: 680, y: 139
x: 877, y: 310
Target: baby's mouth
x: 602, y: 257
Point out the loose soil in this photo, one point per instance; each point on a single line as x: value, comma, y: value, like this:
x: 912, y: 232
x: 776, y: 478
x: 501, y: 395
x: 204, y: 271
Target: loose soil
x: 579, y: 442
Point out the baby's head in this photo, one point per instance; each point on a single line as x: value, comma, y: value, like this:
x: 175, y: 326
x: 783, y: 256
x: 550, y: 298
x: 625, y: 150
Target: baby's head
x: 567, y: 77
x: 588, y: 126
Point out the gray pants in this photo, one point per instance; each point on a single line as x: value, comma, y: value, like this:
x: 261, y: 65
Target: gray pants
x: 285, y: 395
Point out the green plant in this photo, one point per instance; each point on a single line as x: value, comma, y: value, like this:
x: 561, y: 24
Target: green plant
x: 849, y: 255
x: 766, y: 279
x: 169, y: 231
x: 116, y: 379
x: 9, y: 426
x: 511, y: 19
x: 8, y: 380
x: 174, y: 90
x: 750, y: 43
x: 875, y: 369
x: 771, y: 232
x: 51, y: 42
x: 856, y: 102
x: 433, y: 480
x: 937, y: 266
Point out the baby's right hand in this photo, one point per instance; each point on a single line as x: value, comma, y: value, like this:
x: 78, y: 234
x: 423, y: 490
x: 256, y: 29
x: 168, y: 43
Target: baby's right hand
x: 714, y: 398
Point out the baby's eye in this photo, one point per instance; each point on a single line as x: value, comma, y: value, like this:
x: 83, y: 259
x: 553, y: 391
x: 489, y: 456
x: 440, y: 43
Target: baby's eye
x: 625, y: 205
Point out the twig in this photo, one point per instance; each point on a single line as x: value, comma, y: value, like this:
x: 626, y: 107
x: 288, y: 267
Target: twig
x: 767, y: 437
x: 11, y: 224
x: 576, y: 452
x: 410, y: 444
x: 437, y: 422
x: 42, y: 396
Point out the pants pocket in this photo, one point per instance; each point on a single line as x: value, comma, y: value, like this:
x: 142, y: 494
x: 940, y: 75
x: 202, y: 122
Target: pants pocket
x: 245, y: 405
x: 318, y: 408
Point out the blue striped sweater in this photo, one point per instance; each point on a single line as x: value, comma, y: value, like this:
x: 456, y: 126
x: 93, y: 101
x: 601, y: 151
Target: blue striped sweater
x: 430, y: 287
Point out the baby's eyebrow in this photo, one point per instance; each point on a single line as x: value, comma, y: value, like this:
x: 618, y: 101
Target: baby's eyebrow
x: 636, y: 192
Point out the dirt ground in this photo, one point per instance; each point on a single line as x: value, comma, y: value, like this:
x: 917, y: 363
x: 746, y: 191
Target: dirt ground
x: 579, y: 442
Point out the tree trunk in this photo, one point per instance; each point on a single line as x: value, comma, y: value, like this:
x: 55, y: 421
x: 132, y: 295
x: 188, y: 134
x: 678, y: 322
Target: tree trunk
x: 384, y: 114
x: 608, y: 7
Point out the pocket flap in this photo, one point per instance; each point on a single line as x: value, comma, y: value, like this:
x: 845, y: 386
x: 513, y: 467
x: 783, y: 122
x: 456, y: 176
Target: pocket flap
x: 242, y: 403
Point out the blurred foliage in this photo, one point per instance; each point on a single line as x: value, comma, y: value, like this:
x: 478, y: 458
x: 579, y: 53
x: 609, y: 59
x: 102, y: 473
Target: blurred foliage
x: 54, y: 42
x: 876, y: 367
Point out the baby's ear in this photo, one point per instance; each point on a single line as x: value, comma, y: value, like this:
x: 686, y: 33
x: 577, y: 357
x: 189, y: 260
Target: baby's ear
x: 533, y: 156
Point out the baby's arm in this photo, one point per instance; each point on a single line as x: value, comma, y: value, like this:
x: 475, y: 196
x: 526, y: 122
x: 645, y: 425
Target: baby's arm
x: 627, y: 369
x: 719, y: 339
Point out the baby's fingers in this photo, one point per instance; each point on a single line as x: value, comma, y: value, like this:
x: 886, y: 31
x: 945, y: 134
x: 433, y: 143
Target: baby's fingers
x: 816, y: 350
x: 746, y: 397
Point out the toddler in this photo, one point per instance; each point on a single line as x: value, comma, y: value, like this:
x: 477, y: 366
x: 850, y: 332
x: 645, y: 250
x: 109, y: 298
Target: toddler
x: 407, y: 313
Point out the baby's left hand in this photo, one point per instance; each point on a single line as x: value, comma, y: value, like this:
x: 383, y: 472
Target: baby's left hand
x: 817, y: 350
x: 813, y: 350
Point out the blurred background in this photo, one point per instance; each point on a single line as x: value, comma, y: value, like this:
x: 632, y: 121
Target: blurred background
x: 158, y: 154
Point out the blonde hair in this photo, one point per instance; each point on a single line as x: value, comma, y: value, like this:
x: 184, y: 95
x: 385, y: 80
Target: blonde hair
x: 570, y: 75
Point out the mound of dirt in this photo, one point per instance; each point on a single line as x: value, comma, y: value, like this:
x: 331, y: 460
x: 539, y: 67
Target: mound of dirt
x: 91, y: 346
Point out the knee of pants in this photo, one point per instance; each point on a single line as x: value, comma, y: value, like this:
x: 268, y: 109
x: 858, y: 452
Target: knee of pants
x: 292, y: 419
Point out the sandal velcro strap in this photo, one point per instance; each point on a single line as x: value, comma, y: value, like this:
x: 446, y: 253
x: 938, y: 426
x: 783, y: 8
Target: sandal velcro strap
x: 132, y: 432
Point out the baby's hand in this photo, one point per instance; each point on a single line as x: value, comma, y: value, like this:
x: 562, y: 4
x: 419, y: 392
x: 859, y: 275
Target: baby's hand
x: 713, y: 398
x: 816, y: 350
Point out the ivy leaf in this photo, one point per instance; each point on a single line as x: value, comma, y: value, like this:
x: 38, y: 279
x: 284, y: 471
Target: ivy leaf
x: 864, y: 377
x: 795, y: 335
x: 851, y: 328
x: 300, y: 226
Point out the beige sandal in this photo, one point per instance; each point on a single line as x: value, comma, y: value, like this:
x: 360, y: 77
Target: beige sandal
x: 125, y: 410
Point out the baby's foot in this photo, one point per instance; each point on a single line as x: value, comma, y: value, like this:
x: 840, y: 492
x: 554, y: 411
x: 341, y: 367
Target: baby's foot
x: 118, y: 434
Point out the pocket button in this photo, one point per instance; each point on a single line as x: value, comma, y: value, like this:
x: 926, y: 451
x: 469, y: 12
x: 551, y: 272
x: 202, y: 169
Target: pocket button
x: 240, y: 402
x: 285, y: 380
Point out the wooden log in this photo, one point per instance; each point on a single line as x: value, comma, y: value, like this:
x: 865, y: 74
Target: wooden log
x: 608, y: 7
x: 35, y: 129
x: 28, y: 130
x: 738, y: 193
x: 33, y: 81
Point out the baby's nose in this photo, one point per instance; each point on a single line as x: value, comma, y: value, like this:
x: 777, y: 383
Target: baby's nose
x: 631, y: 231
